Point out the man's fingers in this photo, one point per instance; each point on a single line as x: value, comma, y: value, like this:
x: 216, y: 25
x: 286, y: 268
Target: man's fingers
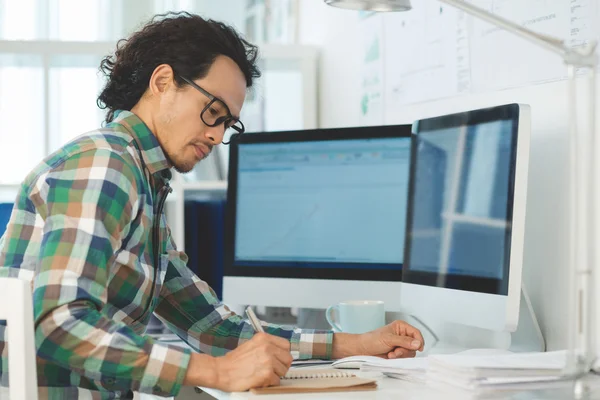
x: 282, y: 343
x: 274, y: 340
x: 270, y: 379
x: 405, y: 342
x: 275, y: 381
x: 401, y: 353
x: 280, y: 368
x: 416, y: 334
x: 283, y: 356
x: 406, y: 354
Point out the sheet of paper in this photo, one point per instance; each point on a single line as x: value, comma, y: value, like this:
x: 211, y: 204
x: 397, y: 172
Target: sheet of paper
x: 549, y: 360
x: 426, y: 54
x: 418, y: 363
x: 435, y: 51
x: 502, y: 60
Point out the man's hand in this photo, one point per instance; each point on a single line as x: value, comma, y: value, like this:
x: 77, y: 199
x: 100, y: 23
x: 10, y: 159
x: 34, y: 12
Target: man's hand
x: 395, y: 340
x: 257, y: 363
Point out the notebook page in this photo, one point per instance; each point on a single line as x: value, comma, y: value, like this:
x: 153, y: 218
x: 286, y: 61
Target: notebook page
x: 404, y: 366
x: 401, y: 363
x: 357, y: 359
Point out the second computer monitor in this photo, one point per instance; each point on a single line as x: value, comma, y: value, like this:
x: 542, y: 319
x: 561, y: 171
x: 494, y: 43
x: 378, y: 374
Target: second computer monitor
x: 317, y: 216
x: 466, y: 217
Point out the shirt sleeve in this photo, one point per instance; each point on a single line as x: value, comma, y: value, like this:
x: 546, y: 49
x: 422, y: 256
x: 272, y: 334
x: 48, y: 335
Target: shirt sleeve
x: 87, y: 203
x: 191, y: 309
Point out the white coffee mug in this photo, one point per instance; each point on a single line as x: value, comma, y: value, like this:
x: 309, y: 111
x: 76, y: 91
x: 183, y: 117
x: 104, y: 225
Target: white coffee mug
x: 356, y: 316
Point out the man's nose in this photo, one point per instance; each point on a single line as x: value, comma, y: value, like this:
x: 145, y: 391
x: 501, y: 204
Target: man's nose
x: 215, y: 134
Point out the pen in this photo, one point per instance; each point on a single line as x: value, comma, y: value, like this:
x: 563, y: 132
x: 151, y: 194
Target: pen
x: 254, y: 320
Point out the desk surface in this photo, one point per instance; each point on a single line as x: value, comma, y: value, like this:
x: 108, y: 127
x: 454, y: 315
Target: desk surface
x: 389, y: 388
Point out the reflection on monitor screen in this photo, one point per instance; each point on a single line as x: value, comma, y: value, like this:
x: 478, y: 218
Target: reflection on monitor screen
x: 460, y: 209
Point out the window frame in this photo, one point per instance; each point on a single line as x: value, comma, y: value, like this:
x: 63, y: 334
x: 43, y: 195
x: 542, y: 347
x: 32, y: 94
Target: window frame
x: 47, y: 50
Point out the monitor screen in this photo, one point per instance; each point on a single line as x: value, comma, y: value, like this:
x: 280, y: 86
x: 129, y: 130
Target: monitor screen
x: 461, y: 201
x: 327, y: 204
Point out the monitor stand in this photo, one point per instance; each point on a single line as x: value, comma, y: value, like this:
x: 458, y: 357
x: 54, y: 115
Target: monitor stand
x: 528, y: 336
x: 448, y: 337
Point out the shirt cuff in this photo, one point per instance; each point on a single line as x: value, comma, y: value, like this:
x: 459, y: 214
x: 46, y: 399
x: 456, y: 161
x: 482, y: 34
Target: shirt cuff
x: 308, y: 343
x: 165, y: 370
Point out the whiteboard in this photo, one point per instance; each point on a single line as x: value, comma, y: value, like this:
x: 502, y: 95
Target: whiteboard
x: 436, y: 51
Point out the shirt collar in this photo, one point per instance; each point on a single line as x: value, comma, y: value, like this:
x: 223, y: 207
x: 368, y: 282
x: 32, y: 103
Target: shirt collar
x: 152, y: 153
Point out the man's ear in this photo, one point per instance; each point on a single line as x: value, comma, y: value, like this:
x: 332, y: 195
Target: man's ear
x: 162, y: 77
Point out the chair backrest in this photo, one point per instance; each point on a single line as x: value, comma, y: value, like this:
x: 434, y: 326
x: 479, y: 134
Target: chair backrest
x: 17, y: 309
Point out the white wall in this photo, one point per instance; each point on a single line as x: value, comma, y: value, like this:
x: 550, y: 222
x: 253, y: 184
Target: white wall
x: 546, y: 275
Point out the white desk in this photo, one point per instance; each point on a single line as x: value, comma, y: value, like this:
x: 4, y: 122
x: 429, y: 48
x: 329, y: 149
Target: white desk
x: 396, y: 389
x: 389, y: 388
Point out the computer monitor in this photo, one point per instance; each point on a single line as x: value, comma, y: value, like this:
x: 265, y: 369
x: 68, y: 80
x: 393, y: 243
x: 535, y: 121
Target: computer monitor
x: 315, y: 217
x: 465, y: 220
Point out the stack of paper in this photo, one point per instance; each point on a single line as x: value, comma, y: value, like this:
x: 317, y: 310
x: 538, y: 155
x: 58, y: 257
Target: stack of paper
x: 410, y: 369
x: 406, y: 368
x: 477, y: 373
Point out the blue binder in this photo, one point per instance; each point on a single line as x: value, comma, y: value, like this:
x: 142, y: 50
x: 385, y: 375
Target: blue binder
x: 204, y: 240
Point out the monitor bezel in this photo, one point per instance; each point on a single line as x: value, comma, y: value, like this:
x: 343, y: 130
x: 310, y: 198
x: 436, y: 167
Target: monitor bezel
x: 470, y: 283
x: 335, y: 273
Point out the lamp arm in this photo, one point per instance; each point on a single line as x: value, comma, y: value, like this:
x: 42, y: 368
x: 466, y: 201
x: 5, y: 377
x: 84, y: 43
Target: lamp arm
x: 581, y: 57
x: 583, y: 257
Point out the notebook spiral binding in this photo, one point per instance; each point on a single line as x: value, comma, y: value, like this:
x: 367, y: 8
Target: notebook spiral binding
x: 313, y: 374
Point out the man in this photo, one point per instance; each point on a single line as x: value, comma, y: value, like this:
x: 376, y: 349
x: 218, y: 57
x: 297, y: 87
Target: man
x: 88, y: 230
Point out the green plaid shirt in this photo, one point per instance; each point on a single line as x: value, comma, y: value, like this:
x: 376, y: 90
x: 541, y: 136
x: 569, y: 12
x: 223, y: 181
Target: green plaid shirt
x: 81, y: 232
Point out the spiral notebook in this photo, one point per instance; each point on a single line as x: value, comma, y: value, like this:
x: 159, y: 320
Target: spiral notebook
x: 318, y: 380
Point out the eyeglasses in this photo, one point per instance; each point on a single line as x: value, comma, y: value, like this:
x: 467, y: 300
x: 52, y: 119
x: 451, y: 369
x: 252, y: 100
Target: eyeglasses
x: 216, y: 111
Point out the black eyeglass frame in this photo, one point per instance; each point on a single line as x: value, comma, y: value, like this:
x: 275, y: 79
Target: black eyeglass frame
x: 213, y: 98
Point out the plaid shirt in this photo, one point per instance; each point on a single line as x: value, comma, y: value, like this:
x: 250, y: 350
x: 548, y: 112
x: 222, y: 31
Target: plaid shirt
x: 81, y: 232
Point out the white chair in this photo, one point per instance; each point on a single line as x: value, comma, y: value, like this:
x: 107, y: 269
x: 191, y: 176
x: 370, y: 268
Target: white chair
x: 16, y: 308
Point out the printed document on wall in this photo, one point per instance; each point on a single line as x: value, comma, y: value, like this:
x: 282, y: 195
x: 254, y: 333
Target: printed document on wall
x: 371, y: 86
x: 502, y: 60
x: 426, y: 54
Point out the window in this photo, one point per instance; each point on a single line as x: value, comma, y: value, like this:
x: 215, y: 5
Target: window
x: 21, y: 115
x: 74, y: 84
x: 50, y: 51
x: 66, y: 20
x: 19, y: 28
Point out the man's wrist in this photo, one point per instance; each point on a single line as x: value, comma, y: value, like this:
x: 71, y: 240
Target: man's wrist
x: 202, y: 371
x: 345, y: 345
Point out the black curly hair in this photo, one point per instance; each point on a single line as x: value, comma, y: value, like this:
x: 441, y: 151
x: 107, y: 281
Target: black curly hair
x: 187, y: 42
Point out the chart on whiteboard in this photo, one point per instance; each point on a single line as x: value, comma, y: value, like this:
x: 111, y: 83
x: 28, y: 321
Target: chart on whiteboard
x: 501, y: 60
x: 435, y: 51
x: 426, y: 53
